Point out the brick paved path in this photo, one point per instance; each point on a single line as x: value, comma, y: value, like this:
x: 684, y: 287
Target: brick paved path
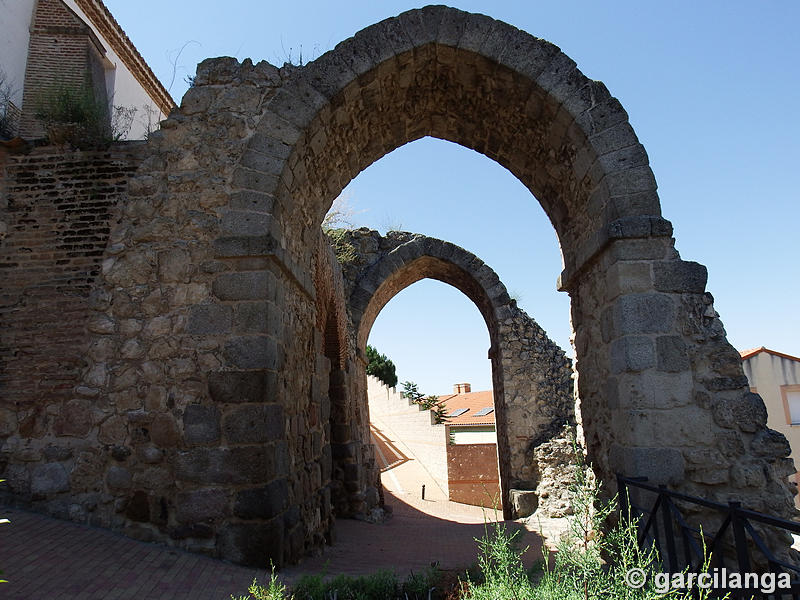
x: 49, y: 559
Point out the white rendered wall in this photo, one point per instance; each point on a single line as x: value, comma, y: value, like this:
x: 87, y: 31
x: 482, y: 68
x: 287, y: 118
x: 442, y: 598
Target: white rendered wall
x: 125, y: 89
x: 473, y: 435
x: 410, y: 428
x: 15, y: 22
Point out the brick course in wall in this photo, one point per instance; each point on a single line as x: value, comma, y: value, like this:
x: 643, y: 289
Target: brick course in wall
x: 57, y: 209
x: 63, y: 51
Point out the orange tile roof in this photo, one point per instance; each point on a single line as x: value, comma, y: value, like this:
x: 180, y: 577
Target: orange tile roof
x: 474, y: 401
x: 745, y: 354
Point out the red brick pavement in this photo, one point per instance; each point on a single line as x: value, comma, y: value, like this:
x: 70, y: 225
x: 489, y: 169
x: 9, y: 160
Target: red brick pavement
x: 49, y: 559
x: 409, y: 541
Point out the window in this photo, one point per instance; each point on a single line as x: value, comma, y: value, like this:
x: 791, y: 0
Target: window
x: 484, y: 411
x: 791, y: 403
x: 457, y: 412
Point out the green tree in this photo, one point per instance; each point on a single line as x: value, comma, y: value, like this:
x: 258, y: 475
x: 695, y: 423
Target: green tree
x: 381, y: 367
x: 431, y: 403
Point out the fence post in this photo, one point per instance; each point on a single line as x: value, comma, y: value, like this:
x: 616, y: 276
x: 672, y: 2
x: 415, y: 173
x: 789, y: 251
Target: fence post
x: 666, y: 519
x: 739, y: 537
x: 624, y: 499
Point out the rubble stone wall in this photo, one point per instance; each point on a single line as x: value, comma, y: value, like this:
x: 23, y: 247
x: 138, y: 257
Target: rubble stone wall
x: 658, y: 382
x: 205, y: 355
x: 56, y: 211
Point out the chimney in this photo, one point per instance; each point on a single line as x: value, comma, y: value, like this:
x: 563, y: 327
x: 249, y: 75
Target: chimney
x: 461, y: 388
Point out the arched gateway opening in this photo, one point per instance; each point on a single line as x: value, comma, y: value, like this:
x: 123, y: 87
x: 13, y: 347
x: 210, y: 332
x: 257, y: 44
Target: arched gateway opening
x: 650, y: 360
x: 220, y: 358
x: 531, y: 375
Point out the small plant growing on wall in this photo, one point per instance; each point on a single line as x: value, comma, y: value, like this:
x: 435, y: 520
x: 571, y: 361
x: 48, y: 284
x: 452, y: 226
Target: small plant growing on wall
x: 74, y: 115
x: 345, y: 251
x: 431, y: 403
x: 337, y: 225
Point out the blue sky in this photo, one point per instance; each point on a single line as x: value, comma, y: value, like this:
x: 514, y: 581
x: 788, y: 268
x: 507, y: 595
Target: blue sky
x: 711, y: 88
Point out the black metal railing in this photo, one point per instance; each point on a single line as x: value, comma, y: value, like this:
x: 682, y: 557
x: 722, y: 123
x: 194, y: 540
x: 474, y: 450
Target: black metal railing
x: 735, y: 542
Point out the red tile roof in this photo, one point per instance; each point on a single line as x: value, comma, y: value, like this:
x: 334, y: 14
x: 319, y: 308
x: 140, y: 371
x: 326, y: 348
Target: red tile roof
x: 474, y: 401
x: 753, y: 351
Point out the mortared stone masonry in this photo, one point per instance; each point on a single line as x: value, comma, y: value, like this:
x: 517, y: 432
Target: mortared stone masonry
x: 191, y: 375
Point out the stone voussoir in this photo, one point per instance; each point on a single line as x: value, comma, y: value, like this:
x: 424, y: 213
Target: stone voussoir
x: 197, y: 341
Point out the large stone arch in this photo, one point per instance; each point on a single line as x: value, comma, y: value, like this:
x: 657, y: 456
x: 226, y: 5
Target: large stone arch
x: 520, y: 101
x: 655, y: 374
x: 531, y: 375
x: 198, y: 411
x: 471, y: 80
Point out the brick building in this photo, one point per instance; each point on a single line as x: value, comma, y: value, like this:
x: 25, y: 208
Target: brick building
x: 74, y: 43
x: 472, y: 473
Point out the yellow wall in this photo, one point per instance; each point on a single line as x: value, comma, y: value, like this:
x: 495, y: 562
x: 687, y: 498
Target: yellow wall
x: 767, y: 373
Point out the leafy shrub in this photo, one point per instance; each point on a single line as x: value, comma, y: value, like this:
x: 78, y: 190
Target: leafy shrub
x: 74, y: 115
x: 274, y: 590
x: 383, y: 584
x: 337, y: 224
x: 68, y: 104
x: 420, y: 586
x: 381, y: 367
x: 502, y: 574
x: 7, y: 121
x: 590, y: 563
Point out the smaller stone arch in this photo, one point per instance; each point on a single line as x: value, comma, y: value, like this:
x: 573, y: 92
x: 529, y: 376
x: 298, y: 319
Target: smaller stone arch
x: 531, y: 375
